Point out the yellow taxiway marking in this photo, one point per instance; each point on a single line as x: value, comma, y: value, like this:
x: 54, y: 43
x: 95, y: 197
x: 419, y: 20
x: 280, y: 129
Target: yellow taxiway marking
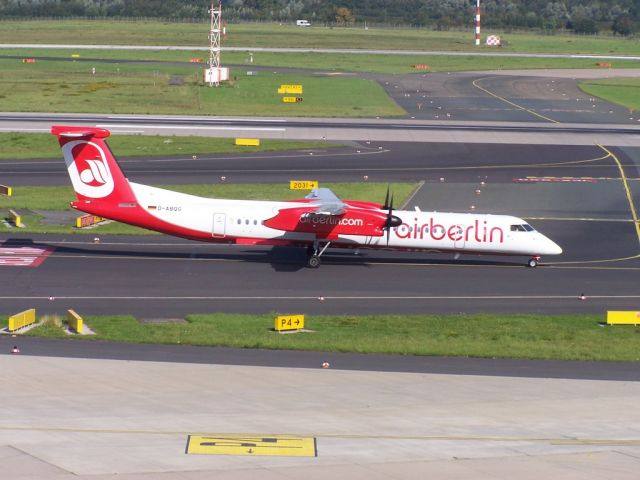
x: 519, y: 107
x: 627, y: 191
x: 275, y: 445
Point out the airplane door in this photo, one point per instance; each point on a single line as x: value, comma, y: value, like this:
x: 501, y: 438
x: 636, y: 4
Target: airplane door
x: 219, y: 225
x: 459, y: 241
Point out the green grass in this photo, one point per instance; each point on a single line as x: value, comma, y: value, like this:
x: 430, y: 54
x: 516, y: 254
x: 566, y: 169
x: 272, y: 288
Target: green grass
x: 26, y: 146
x: 274, y: 35
x: 623, y: 91
x: 344, y: 62
x: 565, y: 337
x: 58, y: 198
x: 62, y: 86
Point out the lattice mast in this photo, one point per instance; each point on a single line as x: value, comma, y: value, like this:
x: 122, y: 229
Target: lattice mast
x: 477, y: 23
x: 214, y: 44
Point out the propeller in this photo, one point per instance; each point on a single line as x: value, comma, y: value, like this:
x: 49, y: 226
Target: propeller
x: 392, y: 220
x: 386, y: 200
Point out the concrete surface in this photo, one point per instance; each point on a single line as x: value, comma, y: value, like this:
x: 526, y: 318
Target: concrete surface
x: 85, y: 418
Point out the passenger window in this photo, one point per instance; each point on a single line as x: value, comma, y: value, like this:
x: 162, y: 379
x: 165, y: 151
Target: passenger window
x: 239, y: 221
x: 246, y: 222
x: 255, y: 222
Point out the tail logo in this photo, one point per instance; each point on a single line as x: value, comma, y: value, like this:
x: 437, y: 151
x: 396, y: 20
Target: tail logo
x: 88, y: 168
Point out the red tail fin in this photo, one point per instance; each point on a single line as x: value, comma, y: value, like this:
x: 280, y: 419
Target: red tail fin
x: 94, y: 171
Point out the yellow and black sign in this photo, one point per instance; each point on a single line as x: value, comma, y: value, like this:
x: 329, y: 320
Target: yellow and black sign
x: 289, y: 322
x: 292, y: 99
x: 297, y: 89
x: 223, y: 444
x: 303, y: 184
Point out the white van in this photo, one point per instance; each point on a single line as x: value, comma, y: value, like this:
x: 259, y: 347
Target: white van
x: 303, y: 23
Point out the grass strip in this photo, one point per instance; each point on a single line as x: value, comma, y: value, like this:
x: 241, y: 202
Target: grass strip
x: 332, y: 62
x: 622, y: 91
x: 558, y: 337
x: 134, y: 88
x: 110, y: 32
x: 27, y: 146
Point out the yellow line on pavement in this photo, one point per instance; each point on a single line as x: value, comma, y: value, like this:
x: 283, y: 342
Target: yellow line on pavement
x: 520, y: 107
x: 625, y: 183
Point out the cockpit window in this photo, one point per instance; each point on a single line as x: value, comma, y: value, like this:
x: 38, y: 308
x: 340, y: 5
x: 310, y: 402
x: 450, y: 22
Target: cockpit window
x: 525, y: 227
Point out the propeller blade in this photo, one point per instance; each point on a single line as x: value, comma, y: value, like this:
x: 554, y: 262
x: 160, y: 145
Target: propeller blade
x: 386, y: 200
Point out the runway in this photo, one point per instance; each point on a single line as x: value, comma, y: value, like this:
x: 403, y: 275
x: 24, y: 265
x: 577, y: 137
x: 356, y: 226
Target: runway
x: 408, y: 130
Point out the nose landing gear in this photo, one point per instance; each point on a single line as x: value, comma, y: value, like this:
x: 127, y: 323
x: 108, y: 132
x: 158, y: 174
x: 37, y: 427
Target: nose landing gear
x: 533, y: 262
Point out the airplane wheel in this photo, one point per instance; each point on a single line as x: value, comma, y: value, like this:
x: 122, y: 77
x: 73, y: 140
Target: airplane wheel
x: 532, y: 263
x: 314, y: 261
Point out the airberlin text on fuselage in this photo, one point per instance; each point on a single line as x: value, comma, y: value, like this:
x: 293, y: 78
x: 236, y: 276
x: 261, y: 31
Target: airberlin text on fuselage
x: 479, y: 232
x: 330, y: 220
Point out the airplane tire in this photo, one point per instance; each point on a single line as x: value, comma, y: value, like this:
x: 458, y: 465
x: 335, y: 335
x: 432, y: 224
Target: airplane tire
x: 314, y: 261
x: 532, y: 263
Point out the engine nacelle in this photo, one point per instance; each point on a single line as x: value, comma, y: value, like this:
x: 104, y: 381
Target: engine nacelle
x: 351, y: 222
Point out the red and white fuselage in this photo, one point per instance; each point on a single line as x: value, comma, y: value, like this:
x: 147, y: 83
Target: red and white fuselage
x: 103, y: 190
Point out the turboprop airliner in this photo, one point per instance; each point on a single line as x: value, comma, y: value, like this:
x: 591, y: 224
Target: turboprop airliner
x: 318, y: 221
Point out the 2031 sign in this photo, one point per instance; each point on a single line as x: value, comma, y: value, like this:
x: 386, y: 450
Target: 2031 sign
x: 303, y: 184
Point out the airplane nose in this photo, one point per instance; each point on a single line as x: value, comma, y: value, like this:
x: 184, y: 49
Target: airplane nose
x: 552, y: 248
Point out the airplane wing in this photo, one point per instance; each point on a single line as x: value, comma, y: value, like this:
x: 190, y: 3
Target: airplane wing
x: 326, y: 202
x: 327, y: 217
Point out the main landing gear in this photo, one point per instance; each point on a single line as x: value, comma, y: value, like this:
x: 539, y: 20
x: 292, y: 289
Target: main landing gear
x: 314, y: 253
x: 533, y: 262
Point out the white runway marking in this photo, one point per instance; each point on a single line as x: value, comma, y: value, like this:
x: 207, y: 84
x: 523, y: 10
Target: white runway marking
x: 23, y: 256
x: 326, y: 297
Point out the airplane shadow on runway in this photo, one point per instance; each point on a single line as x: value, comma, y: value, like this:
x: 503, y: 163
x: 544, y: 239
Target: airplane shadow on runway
x: 281, y: 259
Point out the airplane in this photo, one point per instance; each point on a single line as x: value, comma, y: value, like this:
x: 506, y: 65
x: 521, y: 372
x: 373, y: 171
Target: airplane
x: 317, y: 221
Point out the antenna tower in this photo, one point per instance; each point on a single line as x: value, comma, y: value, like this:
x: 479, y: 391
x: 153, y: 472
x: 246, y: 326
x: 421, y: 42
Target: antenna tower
x: 215, y: 73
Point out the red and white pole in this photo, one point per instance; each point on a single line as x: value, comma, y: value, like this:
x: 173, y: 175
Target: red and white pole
x: 477, y: 22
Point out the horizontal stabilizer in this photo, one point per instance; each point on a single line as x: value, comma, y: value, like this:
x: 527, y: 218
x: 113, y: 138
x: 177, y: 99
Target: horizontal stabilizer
x: 79, y: 132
